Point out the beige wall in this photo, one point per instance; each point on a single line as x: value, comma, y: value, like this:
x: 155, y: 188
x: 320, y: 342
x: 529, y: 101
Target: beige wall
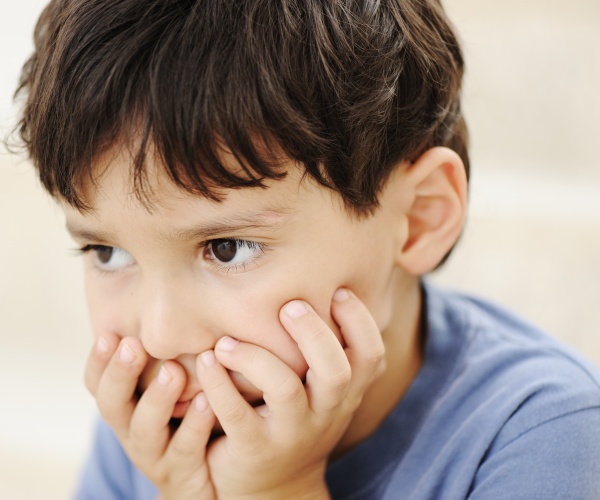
x: 532, y: 101
x: 532, y: 242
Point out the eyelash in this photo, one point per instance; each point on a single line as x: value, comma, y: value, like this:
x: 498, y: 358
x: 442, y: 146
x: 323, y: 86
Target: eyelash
x: 94, y: 247
x: 87, y: 249
x: 236, y: 268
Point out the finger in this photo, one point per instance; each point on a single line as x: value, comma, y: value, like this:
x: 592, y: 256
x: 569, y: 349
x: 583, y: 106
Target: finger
x: 149, y: 429
x: 115, y: 393
x: 365, y: 350
x: 283, y: 390
x: 236, y: 416
x: 329, y: 373
x: 188, y: 444
x: 98, y: 359
x: 187, y: 449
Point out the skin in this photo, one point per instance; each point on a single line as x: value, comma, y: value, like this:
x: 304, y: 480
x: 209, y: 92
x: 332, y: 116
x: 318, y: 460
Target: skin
x: 289, y: 355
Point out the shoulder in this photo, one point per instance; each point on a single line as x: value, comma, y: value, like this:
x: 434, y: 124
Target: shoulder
x: 499, y: 409
x: 504, y: 350
x: 519, y: 406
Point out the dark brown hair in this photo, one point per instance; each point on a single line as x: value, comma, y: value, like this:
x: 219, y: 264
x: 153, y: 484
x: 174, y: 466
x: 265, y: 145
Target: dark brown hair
x: 348, y: 88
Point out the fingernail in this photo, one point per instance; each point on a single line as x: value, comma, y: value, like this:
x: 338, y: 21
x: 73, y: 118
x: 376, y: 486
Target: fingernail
x: 164, y: 377
x: 208, y: 359
x: 227, y: 343
x: 200, y: 402
x: 340, y: 295
x: 102, y: 345
x: 295, y: 309
x: 126, y: 354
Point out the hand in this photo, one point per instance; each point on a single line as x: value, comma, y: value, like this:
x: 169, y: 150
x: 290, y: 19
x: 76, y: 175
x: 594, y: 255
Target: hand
x: 280, y: 450
x: 173, y: 461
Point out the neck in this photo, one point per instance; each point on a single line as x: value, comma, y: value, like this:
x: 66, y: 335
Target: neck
x: 403, y: 353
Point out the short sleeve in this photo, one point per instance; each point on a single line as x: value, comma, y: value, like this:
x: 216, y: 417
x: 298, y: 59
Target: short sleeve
x: 559, y: 458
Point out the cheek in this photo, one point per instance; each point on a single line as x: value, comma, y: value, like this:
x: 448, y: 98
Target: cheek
x: 366, y: 267
x: 257, y: 322
x: 374, y: 283
x: 109, y: 310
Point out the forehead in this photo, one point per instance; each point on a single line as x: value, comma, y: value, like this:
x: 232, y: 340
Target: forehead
x: 113, y: 175
x: 115, y: 207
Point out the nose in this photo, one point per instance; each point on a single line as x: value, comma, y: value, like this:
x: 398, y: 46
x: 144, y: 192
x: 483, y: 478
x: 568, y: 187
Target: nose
x: 172, y: 321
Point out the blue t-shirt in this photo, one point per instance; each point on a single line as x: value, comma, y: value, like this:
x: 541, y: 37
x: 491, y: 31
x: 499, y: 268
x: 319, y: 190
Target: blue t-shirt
x: 499, y: 410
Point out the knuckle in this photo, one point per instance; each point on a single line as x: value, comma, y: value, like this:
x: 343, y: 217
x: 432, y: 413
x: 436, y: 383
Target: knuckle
x: 374, y: 358
x: 340, y: 380
x: 252, y: 357
x: 137, y: 435
x: 184, y: 448
x: 318, y: 332
x: 290, y: 388
x: 214, y: 386
x: 234, y: 414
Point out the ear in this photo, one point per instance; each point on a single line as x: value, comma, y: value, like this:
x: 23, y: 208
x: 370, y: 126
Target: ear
x: 436, y: 190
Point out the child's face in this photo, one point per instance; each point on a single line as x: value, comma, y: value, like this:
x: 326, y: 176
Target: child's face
x: 191, y: 270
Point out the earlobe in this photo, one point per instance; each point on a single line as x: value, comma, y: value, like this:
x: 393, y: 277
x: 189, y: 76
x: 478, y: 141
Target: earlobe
x: 437, y: 188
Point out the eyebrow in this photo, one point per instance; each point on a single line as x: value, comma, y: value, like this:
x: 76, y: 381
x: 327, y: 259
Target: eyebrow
x: 81, y: 233
x: 272, y: 219
x: 231, y: 224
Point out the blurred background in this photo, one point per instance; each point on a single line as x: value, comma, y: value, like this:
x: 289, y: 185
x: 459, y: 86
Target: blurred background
x: 532, y: 241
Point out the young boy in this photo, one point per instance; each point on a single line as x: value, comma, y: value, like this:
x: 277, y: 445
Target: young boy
x: 258, y: 188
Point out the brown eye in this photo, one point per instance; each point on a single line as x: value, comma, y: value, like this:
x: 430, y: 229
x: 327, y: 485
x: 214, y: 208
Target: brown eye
x: 233, y: 255
x: 104, y: 254
x: 108, y: 258
x: 224, y: 250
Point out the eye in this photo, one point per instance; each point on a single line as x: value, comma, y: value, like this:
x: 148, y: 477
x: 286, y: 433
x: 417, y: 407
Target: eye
x: 233, y: 253
x: 109, y: 258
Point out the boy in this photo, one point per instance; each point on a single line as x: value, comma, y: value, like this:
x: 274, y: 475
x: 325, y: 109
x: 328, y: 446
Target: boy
x: 257, y: 188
